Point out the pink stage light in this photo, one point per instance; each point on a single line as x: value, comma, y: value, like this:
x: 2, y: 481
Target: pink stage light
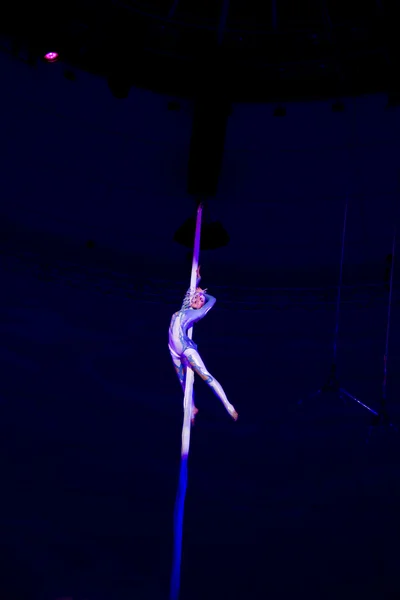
x: 51, y: 57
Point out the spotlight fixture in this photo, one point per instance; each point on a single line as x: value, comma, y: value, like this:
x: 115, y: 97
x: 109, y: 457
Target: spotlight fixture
x: 51, y: 57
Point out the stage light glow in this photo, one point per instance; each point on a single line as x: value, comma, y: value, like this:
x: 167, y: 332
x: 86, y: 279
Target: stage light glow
x: 51, y: 57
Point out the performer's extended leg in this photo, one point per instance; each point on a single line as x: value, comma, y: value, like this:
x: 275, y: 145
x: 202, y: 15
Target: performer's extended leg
x: 199, y: 367
x: 180, y: 368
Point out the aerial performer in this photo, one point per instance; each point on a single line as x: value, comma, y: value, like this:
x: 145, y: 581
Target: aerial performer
x: 184, y: 353
x: 187, y: 362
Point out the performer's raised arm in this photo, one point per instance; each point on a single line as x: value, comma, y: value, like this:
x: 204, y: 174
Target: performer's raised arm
x: 202, y: 303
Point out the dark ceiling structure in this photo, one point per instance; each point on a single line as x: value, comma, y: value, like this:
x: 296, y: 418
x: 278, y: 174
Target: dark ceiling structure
x: 254, y: 51
x: 303, y: 492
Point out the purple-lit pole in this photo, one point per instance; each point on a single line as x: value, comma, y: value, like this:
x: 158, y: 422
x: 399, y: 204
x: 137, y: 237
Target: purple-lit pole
x: 187, y: 419
x: 187, y: 402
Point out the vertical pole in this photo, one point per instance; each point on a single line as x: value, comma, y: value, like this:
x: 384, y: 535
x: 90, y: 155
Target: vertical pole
x: 187, y: 402
x: 187, y: 417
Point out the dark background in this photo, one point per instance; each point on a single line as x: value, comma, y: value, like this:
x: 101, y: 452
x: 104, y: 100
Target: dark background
x: 293, y: 499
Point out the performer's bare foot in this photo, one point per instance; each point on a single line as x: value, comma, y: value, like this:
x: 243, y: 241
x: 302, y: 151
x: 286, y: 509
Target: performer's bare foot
x: 194, y: 413
x: 234, y: 415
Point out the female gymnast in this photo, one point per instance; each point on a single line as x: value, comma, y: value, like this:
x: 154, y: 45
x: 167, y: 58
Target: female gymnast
x: 183, y: 350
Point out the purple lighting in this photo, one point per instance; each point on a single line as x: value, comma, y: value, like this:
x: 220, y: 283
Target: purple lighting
x: 51, y: 57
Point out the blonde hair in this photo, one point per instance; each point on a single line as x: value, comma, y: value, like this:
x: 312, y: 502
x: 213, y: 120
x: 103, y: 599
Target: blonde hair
x: 190, y: 294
